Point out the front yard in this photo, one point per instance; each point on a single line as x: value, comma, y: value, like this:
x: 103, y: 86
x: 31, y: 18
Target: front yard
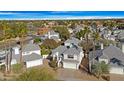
x: 63, y: 74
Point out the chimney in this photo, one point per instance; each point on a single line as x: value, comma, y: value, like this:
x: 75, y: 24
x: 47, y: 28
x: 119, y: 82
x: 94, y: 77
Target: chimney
x: 16, y: 49
x: 81, y: 38
x: 102, y: 46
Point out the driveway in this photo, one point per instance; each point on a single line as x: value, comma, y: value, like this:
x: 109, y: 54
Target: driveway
x: 74, y: 75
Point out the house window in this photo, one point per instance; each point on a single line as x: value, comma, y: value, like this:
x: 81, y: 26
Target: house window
x: 70, y: 56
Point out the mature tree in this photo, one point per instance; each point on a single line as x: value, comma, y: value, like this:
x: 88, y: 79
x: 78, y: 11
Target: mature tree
x: 80, y: 34
x: 50, y: 43
x: 86, y: 47
x: 96, y: 38
x: 63, y: 32
x: 6, y: 29
x: 22, y: 32
x: 44, y: 50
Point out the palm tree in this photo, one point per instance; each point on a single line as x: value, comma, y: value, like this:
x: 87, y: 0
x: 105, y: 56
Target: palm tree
x: 96, y: 38
x: 86, y: 47
x: 6, y: 29
x: 22, y: 31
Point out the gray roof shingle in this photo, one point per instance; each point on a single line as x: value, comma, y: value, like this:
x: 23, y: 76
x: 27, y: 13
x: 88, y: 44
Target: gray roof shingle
x: 73, y: 40
x: 61, y: 49
x: 30, y: 47
x: 26, y: 58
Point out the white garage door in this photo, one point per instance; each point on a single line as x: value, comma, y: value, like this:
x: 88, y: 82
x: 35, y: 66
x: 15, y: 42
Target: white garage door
x: 34, y: 63
x: 70, y: 65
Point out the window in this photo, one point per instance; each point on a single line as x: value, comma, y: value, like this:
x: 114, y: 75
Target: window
x: 70, y: 56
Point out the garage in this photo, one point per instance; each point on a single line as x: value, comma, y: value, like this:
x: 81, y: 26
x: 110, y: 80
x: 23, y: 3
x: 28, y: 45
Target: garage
x: 32, y: 60
x: 33, y: 63
x: 70, y: 64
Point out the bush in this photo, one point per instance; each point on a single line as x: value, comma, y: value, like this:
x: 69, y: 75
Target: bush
x: 100, y: 68
x: 37, y: 74
x: 2, y: 68
x: 53, y: 64
x: 17, y: 68
x: 44, y: 51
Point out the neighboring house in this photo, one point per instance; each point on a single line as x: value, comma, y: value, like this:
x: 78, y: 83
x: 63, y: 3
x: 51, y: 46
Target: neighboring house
x: 111, y: 37
x: 117, y: 31
x: 2, y: 57
x: 71, y: 41
x: 120, y: 35
x: 52, y: 35
x: 112, y: 56
x: 69, y: 54
x: 31, y: 55
x: 78, y: 28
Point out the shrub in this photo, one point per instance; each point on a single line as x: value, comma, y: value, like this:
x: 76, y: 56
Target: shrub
x: 17, y: 68
x: 53, y: 64
x: 44, y: 51
x: 100, y: 68
x: 37, y: 74
x: 2, y: 68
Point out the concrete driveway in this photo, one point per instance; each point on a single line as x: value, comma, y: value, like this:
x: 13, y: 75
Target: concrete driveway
x: 74, y: 75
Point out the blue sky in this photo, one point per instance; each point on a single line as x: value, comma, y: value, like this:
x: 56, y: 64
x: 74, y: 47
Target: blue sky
x: 18, y: 15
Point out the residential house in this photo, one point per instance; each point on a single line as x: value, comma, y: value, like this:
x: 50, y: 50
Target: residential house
x: 68, y: 55
x: 111, y: 55
x: 31, y: 55
x: 120, y: 35
x: 78, y: 28
x: 71, y: 41
x: 52, y: 35
x: 2, y: 57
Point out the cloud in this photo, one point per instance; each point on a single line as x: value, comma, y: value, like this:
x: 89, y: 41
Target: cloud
x: 7, y: 13
x: 63, y: 18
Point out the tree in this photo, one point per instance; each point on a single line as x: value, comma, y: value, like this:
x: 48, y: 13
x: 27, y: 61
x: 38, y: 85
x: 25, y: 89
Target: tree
x: 37, y: 74
x: 6, y: 34
x: 44, y: 50
x: 80, y: 34
x: 50, y: 43
x: 63, y: 32
x: 22, y: 32
x: 86, y: 47
x: 96, y: 38
x: 100, y: 68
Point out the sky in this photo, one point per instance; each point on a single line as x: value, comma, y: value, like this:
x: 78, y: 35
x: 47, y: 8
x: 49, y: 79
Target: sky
x: 54, y: 15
